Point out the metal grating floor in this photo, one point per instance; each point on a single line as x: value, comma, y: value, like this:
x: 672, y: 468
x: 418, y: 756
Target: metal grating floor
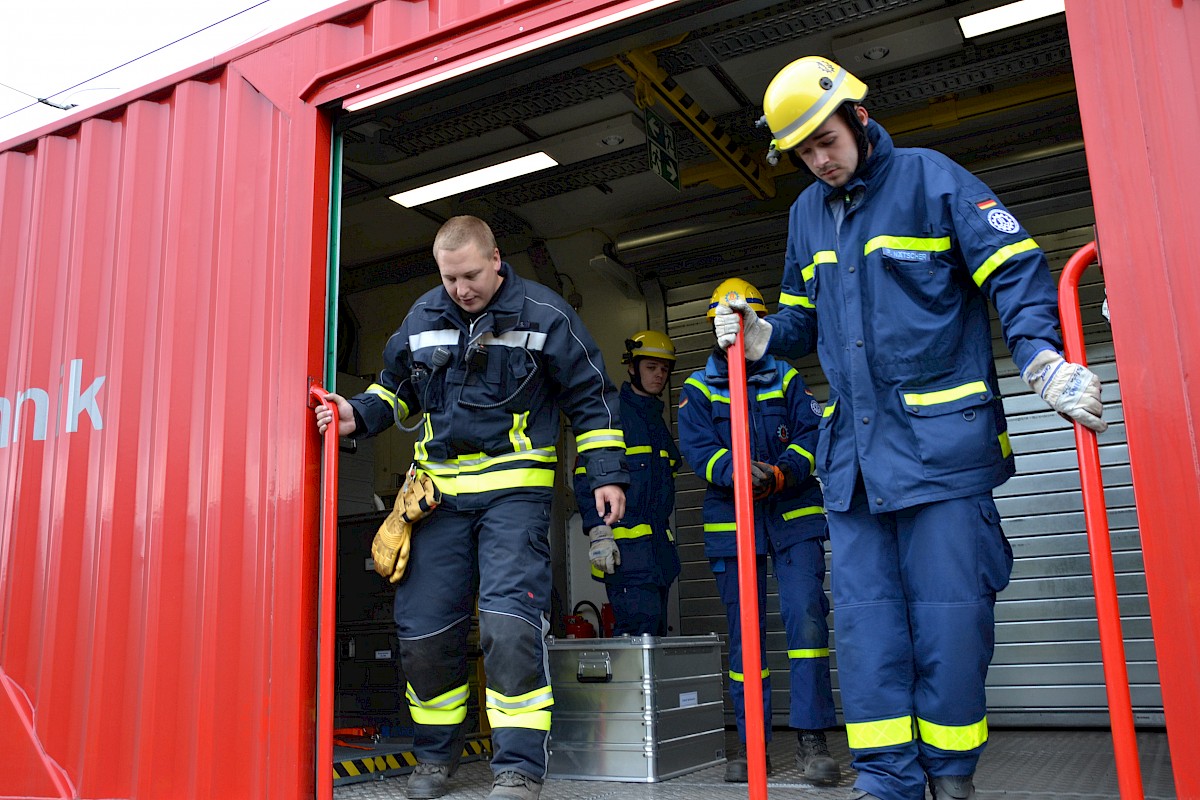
x: 1020, y: 764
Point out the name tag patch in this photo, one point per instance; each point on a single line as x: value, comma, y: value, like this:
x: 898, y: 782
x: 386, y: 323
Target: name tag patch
x: 907, y: 255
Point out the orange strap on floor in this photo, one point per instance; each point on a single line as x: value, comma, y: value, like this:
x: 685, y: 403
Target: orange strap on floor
x: 743, y: 505
x: 1108, y: 612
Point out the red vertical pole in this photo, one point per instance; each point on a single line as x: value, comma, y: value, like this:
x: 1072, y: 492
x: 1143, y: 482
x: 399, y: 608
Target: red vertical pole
x: 1108, y: 612
x: 326, y: 605
x: 743, y: 499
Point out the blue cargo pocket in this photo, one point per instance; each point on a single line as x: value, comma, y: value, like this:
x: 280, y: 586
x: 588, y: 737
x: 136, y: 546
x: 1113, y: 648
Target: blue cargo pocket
x: 995, y: 553
x: 954, y: 426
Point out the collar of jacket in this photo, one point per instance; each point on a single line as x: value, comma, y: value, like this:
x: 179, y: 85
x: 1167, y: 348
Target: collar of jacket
x: 648, y: 405
x: 870, y: 173
x: 504, y: 311
x: 716, y: 371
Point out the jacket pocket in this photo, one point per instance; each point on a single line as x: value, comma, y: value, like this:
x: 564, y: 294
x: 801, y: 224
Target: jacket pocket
x: 994, y: 552
x: 824, y: 454
x: 954, y: 426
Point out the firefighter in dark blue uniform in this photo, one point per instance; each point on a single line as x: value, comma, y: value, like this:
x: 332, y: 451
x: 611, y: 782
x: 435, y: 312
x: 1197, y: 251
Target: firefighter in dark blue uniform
x: 789, y: 524
x: 892, y: 257
x: 637, y: 559
x: 490, y: 359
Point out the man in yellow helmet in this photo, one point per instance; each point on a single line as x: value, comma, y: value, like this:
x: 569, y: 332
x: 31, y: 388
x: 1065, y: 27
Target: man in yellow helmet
x: 635, y: 556
x: 892, y: 257
x: 789, y: 526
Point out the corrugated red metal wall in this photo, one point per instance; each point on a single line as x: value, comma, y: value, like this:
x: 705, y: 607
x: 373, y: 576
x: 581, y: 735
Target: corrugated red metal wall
x: 1139, y: 97
x: 162, y: 262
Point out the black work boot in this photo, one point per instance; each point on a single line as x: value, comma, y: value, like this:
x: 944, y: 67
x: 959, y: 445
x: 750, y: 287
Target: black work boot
x: 514, y: 786
x: 952, y: 787
x: 737, y: 770
x: 813, y: 759
x: 428, y: 781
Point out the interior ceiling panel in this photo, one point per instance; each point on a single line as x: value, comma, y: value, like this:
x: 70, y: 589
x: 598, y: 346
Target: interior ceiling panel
x: 724, y: 53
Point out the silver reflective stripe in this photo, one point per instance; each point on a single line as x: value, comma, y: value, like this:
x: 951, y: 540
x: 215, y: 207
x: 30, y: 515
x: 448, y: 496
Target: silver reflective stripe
x: 432, y: 339
x: 530, y: 340
x: 817, y: 107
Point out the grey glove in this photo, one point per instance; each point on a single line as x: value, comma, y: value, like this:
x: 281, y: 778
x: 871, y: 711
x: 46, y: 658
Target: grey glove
x: 755, y: 329
x: 603, y: 553
x: 1072, y: 390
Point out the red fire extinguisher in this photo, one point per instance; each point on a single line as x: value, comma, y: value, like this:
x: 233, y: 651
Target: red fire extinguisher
x: 579, y: 626
x: 608, y: 620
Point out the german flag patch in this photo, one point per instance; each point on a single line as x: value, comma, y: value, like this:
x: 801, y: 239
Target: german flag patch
x: 984, y: 205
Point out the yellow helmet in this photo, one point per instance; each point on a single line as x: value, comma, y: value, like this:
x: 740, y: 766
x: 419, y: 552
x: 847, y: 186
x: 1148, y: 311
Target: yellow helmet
x: 737, y: 286
x: 802, y: 96
x: 649, y: 344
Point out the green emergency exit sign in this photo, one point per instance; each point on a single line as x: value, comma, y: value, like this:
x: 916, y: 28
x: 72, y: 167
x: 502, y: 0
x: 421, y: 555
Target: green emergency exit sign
x: 660, y: 145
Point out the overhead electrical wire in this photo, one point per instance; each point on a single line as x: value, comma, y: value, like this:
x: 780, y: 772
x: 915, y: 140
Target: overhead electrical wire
x: 47, y: 99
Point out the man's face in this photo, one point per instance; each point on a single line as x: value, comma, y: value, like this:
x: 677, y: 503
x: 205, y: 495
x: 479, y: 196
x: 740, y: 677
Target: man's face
x: 831, y: 152
x: 470, y: 277
x: 654, y: 373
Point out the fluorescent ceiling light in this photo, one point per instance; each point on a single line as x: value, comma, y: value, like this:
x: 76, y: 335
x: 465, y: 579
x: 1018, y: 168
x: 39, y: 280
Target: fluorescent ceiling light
x: 507, y: 53
x: 474, y: 179
x: 1007, y: 16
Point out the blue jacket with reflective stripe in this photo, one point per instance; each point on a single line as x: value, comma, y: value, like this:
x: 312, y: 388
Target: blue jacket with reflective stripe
x: 644, y: 536
x: 889, y: 277
x: 783, y: 431
x: 491, y: 390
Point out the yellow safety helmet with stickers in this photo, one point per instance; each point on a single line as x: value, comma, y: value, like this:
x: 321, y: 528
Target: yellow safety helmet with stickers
x: 737, y: 286
x: 649, y: 344
x: 803, y: 95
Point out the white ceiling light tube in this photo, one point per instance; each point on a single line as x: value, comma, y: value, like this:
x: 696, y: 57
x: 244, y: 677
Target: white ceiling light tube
x: 474, y: 179
x: 1001, y: 17
x: 504, y: 55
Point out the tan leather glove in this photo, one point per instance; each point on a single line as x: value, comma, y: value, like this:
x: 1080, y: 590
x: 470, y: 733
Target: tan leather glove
x: 390, y: 547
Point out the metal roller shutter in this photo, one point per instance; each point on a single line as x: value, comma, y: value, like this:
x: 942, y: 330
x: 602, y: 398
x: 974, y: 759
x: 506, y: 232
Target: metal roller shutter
x: 1047, y: 668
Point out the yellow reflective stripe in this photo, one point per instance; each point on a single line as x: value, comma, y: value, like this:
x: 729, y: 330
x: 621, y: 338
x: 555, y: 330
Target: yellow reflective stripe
x: 737, y: 676
x: 708, y: 468
x: 945, y: 395
x: 812, y: 652
x: 881, y: 733
x: 788, y: 299
x: 907, y: 243
x: 769, y: 395
x: 597, y: 573
x: 636, y: 532
x: 449, y: 708
x: 957, y: 738
x: 516, y: 434
x: 383, y: 394
x: 787, y: 377
x: 812, y: 461
x: 670, y: 535
x: 528, y: 478
x: 807, y: 511
x: 602, y: 437
x: 479, y: 472
x: 1005, y: 446
x: 828, y: 410
x: 996, y: 259
x: 581, y: 470
x: 530, y: 720
x: 720, y: 527
x: 639, y: 450
x: 522, y: 711
x: 699, y: 385
x: 420, y: 453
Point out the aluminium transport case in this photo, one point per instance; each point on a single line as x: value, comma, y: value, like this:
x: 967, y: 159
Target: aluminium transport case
x: 638, y: 709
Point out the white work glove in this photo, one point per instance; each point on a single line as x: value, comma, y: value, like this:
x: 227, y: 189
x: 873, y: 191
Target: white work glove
x: 756, y: 329
x: 1072, y: 390
x: 603, y: 553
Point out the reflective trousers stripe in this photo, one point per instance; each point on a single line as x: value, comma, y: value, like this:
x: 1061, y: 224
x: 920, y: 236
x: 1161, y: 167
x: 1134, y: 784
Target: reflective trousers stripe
x: 740, y: 678
x: 881, y: 733
x: 957, y: 738
x: 445, y: 709
x: 530, y: 710
x: 815, y: 652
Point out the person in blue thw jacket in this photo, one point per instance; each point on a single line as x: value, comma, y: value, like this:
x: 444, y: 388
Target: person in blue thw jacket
x: 635, y: 556
x: 892, y: 257
x: 789, y: 524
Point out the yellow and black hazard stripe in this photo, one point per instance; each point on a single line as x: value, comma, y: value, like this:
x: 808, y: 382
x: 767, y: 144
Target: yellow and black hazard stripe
x: 386, y: 764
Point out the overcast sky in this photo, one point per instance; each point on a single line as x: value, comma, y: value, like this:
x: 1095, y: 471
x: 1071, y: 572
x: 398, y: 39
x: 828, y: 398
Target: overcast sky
x: 51, y: 45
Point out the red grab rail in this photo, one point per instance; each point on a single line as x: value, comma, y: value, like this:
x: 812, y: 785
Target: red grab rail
x: 327, y: 602
x: 743, y: 505
x: 1108, y: 612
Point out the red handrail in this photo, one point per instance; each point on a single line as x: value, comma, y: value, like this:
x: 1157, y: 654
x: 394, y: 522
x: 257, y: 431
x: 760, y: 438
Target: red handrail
x: 327, y: 602
x: 743, y: 504
x: 1108, y: 612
